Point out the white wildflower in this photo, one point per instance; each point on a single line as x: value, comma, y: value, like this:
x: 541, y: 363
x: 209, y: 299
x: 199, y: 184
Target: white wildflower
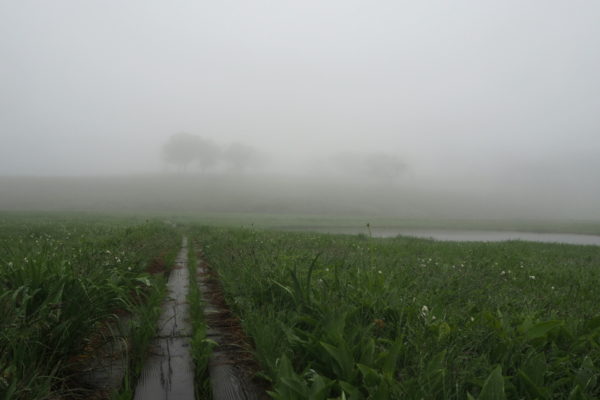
x: 532, y: 277
x: 503, y: 273
x: 379, y: 272
x: 424, y: 311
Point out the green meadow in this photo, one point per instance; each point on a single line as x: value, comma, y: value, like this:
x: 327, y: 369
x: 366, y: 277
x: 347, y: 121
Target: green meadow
x: 353, y: 317
x: 329, y: 316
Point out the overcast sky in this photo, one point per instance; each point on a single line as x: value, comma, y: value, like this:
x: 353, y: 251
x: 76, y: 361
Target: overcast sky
x: 463, y: 89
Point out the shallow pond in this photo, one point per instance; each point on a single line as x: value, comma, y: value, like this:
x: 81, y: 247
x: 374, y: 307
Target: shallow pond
x: 465, y: 235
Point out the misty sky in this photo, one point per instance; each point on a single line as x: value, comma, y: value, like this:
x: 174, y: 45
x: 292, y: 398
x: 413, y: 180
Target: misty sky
x: 464, y: 90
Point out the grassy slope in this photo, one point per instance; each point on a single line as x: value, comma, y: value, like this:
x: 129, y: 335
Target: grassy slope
x: 285, y: 201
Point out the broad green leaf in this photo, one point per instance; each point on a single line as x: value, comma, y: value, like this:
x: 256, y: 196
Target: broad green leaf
x: 526, y: 324
x: 592, y: 324
x: 435, y: 371
x: 320, y: 387
x: 443, y: 330
x: 343, y: 358
x: 352, y: 391
x: 493, y: 387
x: 296, y: 386
x: 145, y: 281
x: 576, y: 394
x: 586, y: 375
x: 391, y: 359
x: 285, y: 288
x: 285, y: 366
x: 367, y: 351
x: 535, y: 368
x: 534, y: 390
x: 541, y: 330
x: 370, y: 376
x: 382, y: 393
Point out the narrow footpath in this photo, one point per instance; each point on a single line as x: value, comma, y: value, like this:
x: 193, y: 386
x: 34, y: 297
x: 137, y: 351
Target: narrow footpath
x: 169, y: 370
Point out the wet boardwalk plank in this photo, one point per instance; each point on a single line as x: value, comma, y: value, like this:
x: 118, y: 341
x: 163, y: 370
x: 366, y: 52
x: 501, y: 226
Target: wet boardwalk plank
x: 169, y: 370
x: 229, y: 379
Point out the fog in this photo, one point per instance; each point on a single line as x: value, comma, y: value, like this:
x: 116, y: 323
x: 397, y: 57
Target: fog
x: 478, y: 108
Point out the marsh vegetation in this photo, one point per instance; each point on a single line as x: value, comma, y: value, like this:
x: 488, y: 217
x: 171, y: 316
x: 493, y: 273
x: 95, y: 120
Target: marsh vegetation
x: 339, y: 316
x: 328, y: 315
x: 64, y: 283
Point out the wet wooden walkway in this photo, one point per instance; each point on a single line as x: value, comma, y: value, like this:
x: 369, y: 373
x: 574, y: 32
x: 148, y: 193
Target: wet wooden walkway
x: 229, y: 380
x: 169, y: 370
x: 168, y: 373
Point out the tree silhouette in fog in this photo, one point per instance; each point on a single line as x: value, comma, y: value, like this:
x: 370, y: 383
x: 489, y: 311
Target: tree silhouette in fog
x: 183, y: 148
x: 239, y: 157
x: 379, y: 165
x: 207, y: 154
x: 383, y: 165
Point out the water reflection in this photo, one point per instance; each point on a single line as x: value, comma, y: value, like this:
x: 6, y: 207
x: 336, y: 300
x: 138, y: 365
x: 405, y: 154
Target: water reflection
x: 466, y: 235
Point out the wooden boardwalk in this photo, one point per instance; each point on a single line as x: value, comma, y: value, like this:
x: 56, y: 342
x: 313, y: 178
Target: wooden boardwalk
x: 229, y: 379
x: 169, y: 371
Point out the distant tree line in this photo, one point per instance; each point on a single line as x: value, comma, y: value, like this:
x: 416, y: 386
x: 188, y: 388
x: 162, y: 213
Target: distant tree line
x: 185, y: 149
x: 379, y: 165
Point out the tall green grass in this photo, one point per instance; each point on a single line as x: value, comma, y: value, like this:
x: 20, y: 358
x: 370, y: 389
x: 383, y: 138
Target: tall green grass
x: 62, y: 281
x: 352, y: 317
x: 201, y: 345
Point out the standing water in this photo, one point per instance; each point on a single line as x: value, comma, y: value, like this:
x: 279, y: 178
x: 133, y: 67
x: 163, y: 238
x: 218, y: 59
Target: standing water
x: 456, y: 235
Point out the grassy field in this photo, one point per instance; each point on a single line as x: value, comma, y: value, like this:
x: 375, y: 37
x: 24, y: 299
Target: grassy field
x: 63, y: 280
x: 239, y: 196
x: 352, y: 317
x: 330, y: 316
x: 306, y: 222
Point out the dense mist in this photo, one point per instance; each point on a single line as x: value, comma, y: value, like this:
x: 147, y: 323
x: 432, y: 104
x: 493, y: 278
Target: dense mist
x: 421, y: 109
